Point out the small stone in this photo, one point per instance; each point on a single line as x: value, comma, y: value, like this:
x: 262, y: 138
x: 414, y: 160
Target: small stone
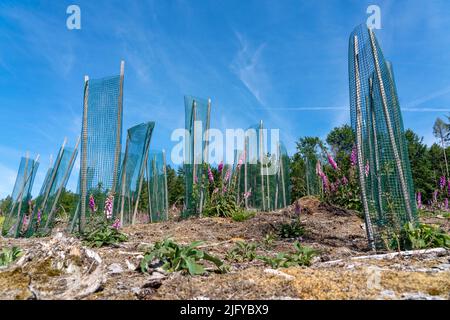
x: 115, y: 268
x: 279, y: 274
x: 93, y: 255
x: 130, y: 266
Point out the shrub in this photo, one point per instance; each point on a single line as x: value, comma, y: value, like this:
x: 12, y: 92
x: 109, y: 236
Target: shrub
x: 2, y: 219
x: 242, y: 215
x: 269, y: 239
x: 9, y: 255
x: 175, y: 257
x: 302, y: 256
x: 421, y: 236
x: 103, y: 235
x: 291, y: 230
x: 242, y: 251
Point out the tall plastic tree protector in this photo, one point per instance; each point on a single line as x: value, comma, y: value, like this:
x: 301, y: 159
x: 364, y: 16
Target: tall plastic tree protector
x: 156, y: 172
x: 197, y: 124
x: 101, y: 138
x: 17, y: 219
x: 265, y: 173
x: 56, y: 180
x: 383, y: 164
x: 313, y: 184
x: 132, y: 172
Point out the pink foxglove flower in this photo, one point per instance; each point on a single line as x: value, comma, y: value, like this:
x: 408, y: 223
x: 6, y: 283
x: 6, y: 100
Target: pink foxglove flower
x: 353, y: 157
x: 247, y: 194
x: 215, y: 190
x: 92, y: 203
x: 442, y: 181
x: 109, y: 206
x: 319, y: 168
x: 116, y: 225
x: 298, y: 208
x: 367, y: 169
x: 325, y: 182
x: 220, y: 167
x: 39, y: 217
x: 344, y: 181
x: 224, y: 190
x: 419, y: 200
x: 227, y: 175
x: 332, y: 162
x: 210, y: 175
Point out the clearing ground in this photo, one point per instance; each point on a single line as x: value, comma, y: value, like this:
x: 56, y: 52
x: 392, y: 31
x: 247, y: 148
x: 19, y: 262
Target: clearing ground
x: 59, y: 267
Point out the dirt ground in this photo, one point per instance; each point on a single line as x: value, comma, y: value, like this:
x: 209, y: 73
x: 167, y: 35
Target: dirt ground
x: 338, y: 272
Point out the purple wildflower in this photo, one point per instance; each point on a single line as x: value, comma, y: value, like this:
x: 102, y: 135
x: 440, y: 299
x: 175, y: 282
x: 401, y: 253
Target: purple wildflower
x: 210, y: 175
x: 116, y: 225
x: 442, y: 182
x: 298, y: 208
x: 319, y: 171
x: 419, y: 200
x: 325, y: 182
x: 220, y: 167
x: 92, y: 203
x: 332, y: 187
x: 224, y: 190
x: 344, y: 181
x: 332, y: 162
x: 109, y: 206
x: 227, y: 175
x: 39, y: 216
x: 353, y: 157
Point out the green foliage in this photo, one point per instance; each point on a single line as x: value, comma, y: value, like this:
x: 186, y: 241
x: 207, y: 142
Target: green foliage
x: 297, y: 176
x: 67, y: 203
x: 5, y: 205
x: 175, y: 185
x: 301, y: 256
x: 294, y: 229
x: 421, y: 166
x: 2, y: 219
x: 269, y: 240
x: 242, y: 215
x: 341, y: 140
x: 422, y: 236
x: 103, y: 235
x: 9, y: 255
x: 175, y: 257
x: 242, y: 251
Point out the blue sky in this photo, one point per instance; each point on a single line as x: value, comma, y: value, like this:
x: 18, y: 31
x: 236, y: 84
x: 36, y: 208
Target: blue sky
x: 281, y: 61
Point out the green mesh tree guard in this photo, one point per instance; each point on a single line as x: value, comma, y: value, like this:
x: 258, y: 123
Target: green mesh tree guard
x: 158, y: 200
x: 17, y: 219
x: 197, y: 123
x: 45, y: 205
x: 387, y: 191
x: 313, y: 183
x: 101, y: 138
x: 265, y: 175
x: 132, y: 172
